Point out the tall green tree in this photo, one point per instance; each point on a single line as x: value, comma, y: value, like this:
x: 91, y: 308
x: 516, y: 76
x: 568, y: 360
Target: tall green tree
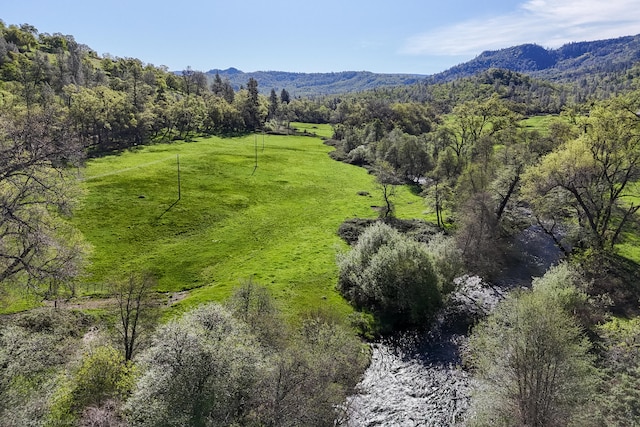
x: 251, y: 108
x: 285, y: 98
x: 532, y: 359
x: 222, y: 88
x: 588, y: 179
x: 273, y: 104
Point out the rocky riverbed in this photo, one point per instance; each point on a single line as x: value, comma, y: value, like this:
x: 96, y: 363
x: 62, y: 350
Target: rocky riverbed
x: 416, y: 379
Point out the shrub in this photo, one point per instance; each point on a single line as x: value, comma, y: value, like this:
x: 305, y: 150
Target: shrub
x: 532, y: 361
x: 102, y: 376
x: 391, y: 275
x: 446, y: 258
x: 201, y: 370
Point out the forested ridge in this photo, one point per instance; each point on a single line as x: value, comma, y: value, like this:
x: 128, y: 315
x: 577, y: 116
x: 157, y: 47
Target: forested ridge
x: 569, y: 62
x: 317, y: 84
x: 490, y: 155
x: 582, y: 67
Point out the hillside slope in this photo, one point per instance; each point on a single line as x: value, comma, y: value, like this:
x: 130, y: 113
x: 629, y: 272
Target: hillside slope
x: 568, y: 62
x: 306, y: 84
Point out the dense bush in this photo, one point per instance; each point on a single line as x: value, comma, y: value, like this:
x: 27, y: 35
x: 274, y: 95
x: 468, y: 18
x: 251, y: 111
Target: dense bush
x: 532, y: 360
x: 101, y: 379
x: 208, y: 368
x: 201, y: 370
x: 391, y: 275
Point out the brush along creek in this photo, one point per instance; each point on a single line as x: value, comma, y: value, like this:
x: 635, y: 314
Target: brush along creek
x: 417, y: 378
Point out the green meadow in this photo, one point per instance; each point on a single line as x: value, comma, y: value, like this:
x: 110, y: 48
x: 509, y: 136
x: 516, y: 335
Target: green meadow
x: 539, y: 123
x: 275, y: 224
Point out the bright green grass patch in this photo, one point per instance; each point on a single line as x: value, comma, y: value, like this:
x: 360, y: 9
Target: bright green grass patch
x: 15, y: 300
x: 321, y: 130
x: 539, y: 123
x: 630, y: 246
x: 276, y: 225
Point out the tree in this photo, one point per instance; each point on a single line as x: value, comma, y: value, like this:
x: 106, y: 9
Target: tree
x: 532, y: 359
x: 273, y: 104
x: 591, y: 175
x: 252, y: 304
x: 223, y: 89
x: 407, y: 154
x: 137, y: 311
x: 35, y: 348
x: 284, y: 96
x: 311, y: 379
x: 203, y: 369
x: 390, y: 274
x: 387, y: 180
x: 619, y: 399
x: 37, y: 245
x: 475, y: 120
x: 251, y: 108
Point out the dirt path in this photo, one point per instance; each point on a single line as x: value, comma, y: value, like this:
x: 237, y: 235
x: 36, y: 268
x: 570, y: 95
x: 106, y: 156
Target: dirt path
x: 86, y: 303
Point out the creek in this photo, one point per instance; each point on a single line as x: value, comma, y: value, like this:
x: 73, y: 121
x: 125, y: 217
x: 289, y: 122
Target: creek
x: 417, y: 378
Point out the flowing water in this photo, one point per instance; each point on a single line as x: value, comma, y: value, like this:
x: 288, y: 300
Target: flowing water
x: 417, y: 379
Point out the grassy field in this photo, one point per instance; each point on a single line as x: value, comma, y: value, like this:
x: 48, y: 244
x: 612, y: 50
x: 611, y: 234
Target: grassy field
x: 276, y: 224
x: 323, y: 131
x: 539, y: 123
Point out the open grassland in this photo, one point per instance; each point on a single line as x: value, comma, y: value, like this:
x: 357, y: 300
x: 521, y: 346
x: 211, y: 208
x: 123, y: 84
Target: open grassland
x: 323, y: 131
x: 539, y: 123
x: 630, y: 246
x: 276, y: 225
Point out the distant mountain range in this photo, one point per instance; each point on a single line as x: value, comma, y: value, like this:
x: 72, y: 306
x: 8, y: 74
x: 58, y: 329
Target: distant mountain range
x: 305, y: 84
x: 567, y: 63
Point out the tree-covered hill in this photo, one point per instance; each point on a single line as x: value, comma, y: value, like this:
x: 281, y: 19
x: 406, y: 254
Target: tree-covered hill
x: 590, y: 66
x: 569, y: 62
x: 305, y: 84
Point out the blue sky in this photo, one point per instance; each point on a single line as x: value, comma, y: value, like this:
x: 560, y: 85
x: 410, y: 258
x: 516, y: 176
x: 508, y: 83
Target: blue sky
x: 400, y: 36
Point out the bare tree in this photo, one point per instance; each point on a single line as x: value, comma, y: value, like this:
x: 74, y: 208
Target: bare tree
x: 387, y: 180
x: 36, y: 192
x: 137, y: 310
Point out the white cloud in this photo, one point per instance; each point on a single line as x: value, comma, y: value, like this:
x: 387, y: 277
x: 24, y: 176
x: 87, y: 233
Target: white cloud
x: 549, y: 23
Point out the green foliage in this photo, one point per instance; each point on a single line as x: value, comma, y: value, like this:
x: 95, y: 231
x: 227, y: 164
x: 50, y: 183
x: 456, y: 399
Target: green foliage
x: 35, y: 347
x: 590, y: 175
x: 446, y: 259
x: 391, y: 275
x: 103, y: 374
x: 619, y: 397
x: 532, y: 359
x: 563, y: 285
